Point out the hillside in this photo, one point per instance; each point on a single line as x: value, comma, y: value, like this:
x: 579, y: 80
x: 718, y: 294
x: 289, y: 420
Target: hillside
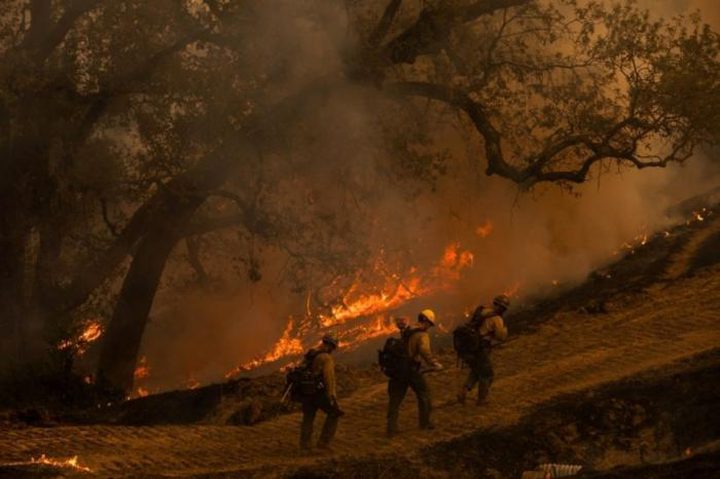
x: 613, y: 375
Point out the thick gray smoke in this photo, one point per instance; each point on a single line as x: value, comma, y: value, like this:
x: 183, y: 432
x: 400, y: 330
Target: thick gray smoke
x: 520, y: 240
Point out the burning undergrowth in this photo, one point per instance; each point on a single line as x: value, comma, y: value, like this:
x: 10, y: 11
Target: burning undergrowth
x: 361, y: 315
x: 249, y: 400
x: 364, y: 310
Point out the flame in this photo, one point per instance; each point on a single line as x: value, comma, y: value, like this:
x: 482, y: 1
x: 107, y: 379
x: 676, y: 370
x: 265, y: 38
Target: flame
x: 285, y: 346
x: 141, y: 392
x: 71, y: 463
x: 484, y: 230
x: 380, y: 326
x: 367, y: 304
x: 142, y: 371
x: 91, y: 332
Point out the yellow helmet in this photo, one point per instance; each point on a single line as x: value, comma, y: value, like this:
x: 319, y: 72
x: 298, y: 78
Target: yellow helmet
x: 427, y: 315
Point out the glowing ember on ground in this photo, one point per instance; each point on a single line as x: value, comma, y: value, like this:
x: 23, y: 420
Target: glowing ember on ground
x: 71, y: 463
x: 484, y: 230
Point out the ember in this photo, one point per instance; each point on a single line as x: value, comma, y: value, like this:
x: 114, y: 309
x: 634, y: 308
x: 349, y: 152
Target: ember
x: 484, y: 230
x: 142, y: 370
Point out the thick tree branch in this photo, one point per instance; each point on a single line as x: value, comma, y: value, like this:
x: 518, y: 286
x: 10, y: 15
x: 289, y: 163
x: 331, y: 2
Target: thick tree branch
x: 432, y: 29
x: 101, y: 101
x: 597, y: 149
x: 493, y: 148
x: 382, y: 28
x: 44, y: 36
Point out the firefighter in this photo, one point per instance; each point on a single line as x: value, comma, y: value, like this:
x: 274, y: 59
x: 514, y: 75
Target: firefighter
x: 418, y: 350
x: 402, y: 323
x: 325, y: 398
x: 490, y: 327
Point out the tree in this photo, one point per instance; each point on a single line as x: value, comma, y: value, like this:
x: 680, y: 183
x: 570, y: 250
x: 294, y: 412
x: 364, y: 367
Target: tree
x: 126, y: 125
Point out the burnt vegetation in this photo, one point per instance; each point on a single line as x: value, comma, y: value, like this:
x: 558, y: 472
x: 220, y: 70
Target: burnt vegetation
x: 137, y: 137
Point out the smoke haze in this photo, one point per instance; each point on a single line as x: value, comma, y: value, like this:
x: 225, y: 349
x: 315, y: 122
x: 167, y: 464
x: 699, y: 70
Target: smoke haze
x: 536, y: 237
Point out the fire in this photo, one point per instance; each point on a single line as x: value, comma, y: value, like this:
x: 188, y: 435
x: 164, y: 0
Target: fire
x: 91, y: 332
x: 141, y: 392
x: 286, y: 346
x: 366, y: 303
x: 380, y: 326
x: 370, y: 304
x: 699, y: 216
x: 142, y: 370
x: 71, y: 463
x: 484, y: 230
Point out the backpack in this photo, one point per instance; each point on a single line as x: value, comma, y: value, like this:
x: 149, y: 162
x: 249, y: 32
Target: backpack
x: 302, y: 381
x: 393, y: 358
x: 466, y: 340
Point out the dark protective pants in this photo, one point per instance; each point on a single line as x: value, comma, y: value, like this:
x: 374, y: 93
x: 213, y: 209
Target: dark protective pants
x: 481, y: 371
x: 310, y: 408
x: 397, y: 389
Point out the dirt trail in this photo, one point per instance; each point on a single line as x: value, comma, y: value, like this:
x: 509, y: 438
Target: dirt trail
x: 571, y: 352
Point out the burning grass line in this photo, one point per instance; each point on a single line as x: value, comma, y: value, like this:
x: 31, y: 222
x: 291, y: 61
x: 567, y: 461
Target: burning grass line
x: 70, y: 463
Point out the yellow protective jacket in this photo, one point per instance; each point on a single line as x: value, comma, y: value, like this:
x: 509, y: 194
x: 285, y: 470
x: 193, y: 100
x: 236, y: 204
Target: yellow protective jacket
x: 324, y: 366
x: 419, y: 348
x: 493, y: 327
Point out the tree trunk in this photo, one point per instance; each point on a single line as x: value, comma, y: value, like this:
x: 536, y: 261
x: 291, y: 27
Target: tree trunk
x: 12, y: 270
x: 122, y: 339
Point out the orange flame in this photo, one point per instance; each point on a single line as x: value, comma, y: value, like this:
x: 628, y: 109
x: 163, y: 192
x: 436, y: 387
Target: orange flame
x: 285, y: 346
x: 71, y: 463
x: 367, y: 307
x: 142, y: 370
x: 484, y: 230
x: 91, y: 332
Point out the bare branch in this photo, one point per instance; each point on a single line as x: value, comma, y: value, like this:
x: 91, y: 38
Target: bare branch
x: 377, y: 36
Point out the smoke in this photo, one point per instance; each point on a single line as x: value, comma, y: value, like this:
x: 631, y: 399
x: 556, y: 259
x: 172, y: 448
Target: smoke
x: 539, y: 237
